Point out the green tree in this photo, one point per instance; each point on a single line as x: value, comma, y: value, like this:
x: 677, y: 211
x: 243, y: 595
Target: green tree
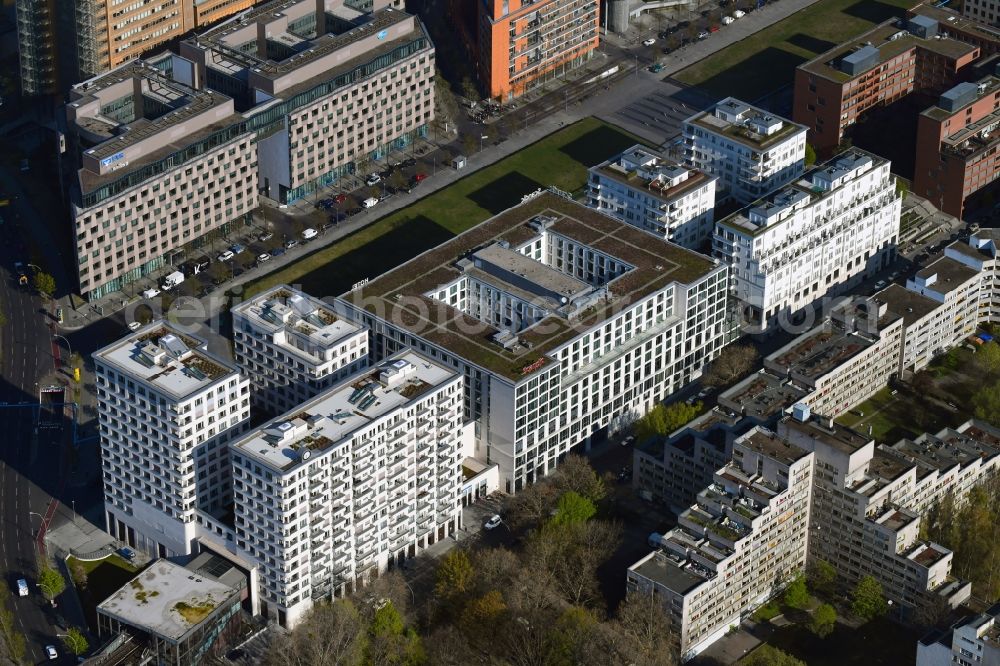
x: 902, y: 187
x: 988, y: 356
x: 3, y: 318
x: 986, y: 403
x: 390, y: 642
x: 810, y: 155
x: 665, y: 419
x: 824, y: 620
x: 482, y: 618
x: 455, y: 577
x: 797, y: 594
x: 867, y: 600
x: 573, y: 508
x: 51, y: 583
x: 569, y: 642
x: 822, y: 578
x: 75, y: 641
x: 767, y: 655
x: 575, y: 473
x: 45, y: 284
x: 12, y: 638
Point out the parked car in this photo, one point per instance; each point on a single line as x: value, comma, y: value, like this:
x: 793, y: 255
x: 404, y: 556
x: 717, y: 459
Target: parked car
x: 373, y: 179
x: 262, y: 257
x: 419, y: 177
x: 337, y: 218
x: 152, y: 292
x: 226, y: 255
x: 134, y: 325
x: 494, y: 522
x: 656, y: 68
x: 340, y: 198
x: 628, y: 441
x: 127, y: 553
x: 309, y: 233
x: 702, y: 35
x: 354, y: 211
x: 266, y: 236
x: 370, y: 202
x: 290, y: 243
x: 50, y: 650
x: 648, y: 42
x: 236, y: 248
x: 409, y: 162
x: 22, y: 587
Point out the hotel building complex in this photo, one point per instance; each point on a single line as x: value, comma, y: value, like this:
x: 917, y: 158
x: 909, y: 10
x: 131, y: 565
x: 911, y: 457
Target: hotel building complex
x: 366, y: 473
x: 167, y: 410
x: 750, y: 151
x: 292, y: 346
x: 817, y: 237
x: 640, y: 188
x: 565, y: 323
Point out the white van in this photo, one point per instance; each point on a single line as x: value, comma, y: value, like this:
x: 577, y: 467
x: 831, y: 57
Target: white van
x: 310, y: 233
x: 738, y: 14
x: 369, y: 202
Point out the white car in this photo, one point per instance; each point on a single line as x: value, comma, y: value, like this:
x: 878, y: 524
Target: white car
x: 370, y: 202
x: 309, y: 233
x: 22, y: 587
x: 648, y: 42
x: 152, y: 292
x: 494, y: 522
x: 373, y: 179
x: 261, y: 258
x: 51, y: 651
x: 226, y: 256
x: 134, y: 326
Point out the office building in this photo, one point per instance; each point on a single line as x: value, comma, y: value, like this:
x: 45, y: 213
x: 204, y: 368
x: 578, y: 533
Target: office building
x: 160, y: 165
x: 365, y: 474
x: 565, y: 323
x: 819, y: 236
x: 326, y: 88
x: 167, y: 408
x: 750, y: 151
x: 670, y: 200
x: 952, y: 23
x: 973, y: 640
x: 835, y: 90
x: 292, y: 346
x: 517, y: 45
x: 956, y: 150
x: 980, y: 254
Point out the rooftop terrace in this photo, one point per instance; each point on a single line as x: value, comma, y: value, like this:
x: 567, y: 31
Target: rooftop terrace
x: 399, y: 296
x: 640, y: 168
x: 762, y: 395
x: 812, y: 355
x: 747, y: 124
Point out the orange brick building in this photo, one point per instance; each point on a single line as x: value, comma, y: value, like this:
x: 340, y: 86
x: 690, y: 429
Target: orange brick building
x: 957, y: 145
x: 521, y: 43
x: 833, y: 90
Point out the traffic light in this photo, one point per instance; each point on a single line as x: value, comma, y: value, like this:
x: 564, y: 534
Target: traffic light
x: 76, y: 374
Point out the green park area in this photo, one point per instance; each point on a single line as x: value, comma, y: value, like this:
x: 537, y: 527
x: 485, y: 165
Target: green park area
x: 97, y: 580
x: 559, y: 160
x: 766, y: 60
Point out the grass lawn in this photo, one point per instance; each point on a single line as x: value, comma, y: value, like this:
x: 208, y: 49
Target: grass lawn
x: 766, y: 60
x: 103, y: 578
x: 561, y: 159
x: 878, y: 643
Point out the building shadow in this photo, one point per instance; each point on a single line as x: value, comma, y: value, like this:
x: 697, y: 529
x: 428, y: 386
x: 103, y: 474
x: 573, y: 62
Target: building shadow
x: 597, y: 145
x: 874, y: 11
x: 500, y: 194
x: 810, y: 43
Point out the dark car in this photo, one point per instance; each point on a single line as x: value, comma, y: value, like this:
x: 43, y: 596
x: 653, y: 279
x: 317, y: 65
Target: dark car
x: 354, y: 211
x: 409, y: 162
x: 277, y: 252
x: 337, y: 218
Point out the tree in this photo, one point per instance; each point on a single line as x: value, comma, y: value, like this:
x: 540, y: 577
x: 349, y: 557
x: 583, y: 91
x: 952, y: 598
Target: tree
x: 902, y: 187
x: 469, y: 90
x: 797, y: 594
x: 469, y: 143
x: 13, y: 640
x: 482, y: 618
x: 455, y: 577
x: 531, y: 506
x: 397, y: 179
x: 573, y: 508
x: 390, y: 642
x: 3, y: 318
x: 331, y: 634
x: 867, y: 600
x: 50, y: 582
x: 575, y: 474
x: 663, y: 420
x: 988, y: 356
x: 734, y: 362
x: 75, y: 641
x: 767, y: 655
x: 822, y: 578
x: 45, y: 284
x: 824, y: 620
x: 810, y: 155
x: 569, y: 554
x: 79, y: 573
x: 986, y: 403
x: 641, y: 634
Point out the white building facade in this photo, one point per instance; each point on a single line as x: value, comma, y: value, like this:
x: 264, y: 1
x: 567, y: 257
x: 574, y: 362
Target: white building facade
x: 972, y: 641
x: 167, y: 409
x: 292, y: 346
x: 366, y: 473
x: 980, y: 254
x: 751, y: 152
x: 670, y: 200
x: 820, y: 236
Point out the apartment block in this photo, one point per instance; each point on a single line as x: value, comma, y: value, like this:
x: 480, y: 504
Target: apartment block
x: 819, y: 236
x: 518, y: 45
x: 834, y: 90
x: 745, y: 537
x: 668, y: 199
x: 956, y: 150
x: 160, y: 165
x: 167, y: 409
x: 363, y: 475
x: 980, y: 254
x: 292, y: 346
x: 967, y: 29
x: 326, y: 88
x: 973, y: 640
x: 564, y: 322
x: 750, y: 151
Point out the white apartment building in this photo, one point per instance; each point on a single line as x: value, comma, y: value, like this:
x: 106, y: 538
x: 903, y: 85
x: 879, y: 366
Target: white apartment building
x: 737, y: 546
x: 980, y: 254
x: 819, y: 236
x: 668, y: 199
x: 365, y: 473
x: 292, y: 346
x: 751, y: 151
x: 167, y: 409
x: 565, y: 322
x: 160, y: 165
x: 328, y: 86
x: 972, y: 641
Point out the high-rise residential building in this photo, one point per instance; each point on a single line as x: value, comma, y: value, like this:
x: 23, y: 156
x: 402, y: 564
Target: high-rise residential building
x: 819, y: 236
x: 326, y: 88
x: 980, y: 253
x: 956, y: 153
x: 750, y: 151
x: 564, y: 321
x: 668, y: 199
x: 973, y: 640
x: 161, y: 164
x: 835, y: 90
x: 363, y: 475
x: 167, y: 409
x: 517, y: 45
x: 292, y: 346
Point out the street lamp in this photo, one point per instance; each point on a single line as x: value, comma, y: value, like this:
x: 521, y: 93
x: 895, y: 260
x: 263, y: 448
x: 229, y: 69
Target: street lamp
x: 40, y: 517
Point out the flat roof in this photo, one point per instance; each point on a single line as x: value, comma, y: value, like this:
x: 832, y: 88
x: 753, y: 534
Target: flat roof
x: 535, y: 272
x: 909, y: 305
x: 738, y: 131
x: 772, y: 446
x: 167, y: 600
x: 816, y: 353
x: 837, y: 436
x: 399, y: 295
x: 951, y: 274
x: 762, y: 395
x: 324, y: 422
x: 885, y: 39
x: 168, y: 359
x: 952, y: 20
x: 654, y: 186
x: 664, y: 570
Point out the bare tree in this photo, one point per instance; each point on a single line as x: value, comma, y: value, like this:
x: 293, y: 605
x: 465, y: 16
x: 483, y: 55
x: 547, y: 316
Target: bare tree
x: 571, y: 554
x: 642, y: 632
x: 734, y: 362
x: 531, y: 506
x: 575, y: 474
x: 330, y: 635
